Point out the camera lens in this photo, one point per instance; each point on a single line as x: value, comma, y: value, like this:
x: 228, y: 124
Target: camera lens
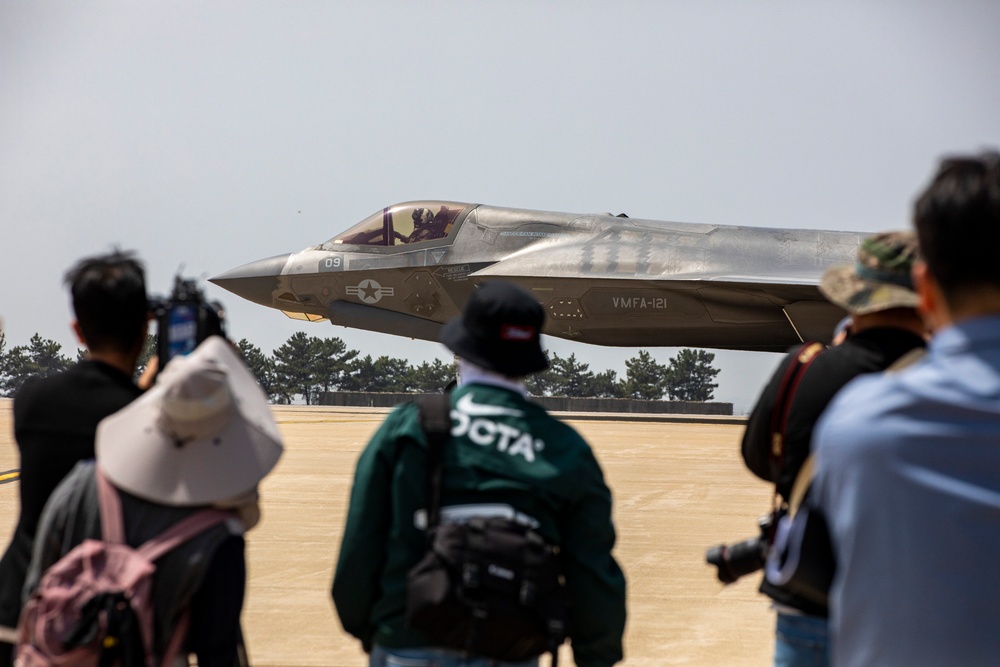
x: 737, y: 560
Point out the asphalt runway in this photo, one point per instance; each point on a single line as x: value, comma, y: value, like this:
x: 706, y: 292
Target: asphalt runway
x: 679, y: 487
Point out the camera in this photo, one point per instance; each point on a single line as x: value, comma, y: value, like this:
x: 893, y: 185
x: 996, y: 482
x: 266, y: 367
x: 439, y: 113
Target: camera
x: 736, y: 560
x: 184, y: 320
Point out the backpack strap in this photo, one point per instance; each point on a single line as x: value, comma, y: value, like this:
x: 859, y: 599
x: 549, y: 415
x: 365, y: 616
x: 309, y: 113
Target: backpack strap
x: 435, y: 420
x: 113, y: 529
x: 182, y: 531
x: 112, y: 521
x: 172, y: 537
x: 176, y: 644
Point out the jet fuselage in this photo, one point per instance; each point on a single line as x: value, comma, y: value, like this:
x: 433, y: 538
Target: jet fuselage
x: 603, y: 279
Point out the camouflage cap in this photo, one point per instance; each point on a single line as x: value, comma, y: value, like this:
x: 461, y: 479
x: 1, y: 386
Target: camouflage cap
x: 879, y: 280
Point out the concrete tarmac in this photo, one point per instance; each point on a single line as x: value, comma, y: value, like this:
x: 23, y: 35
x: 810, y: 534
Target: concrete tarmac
x: 679, y: 487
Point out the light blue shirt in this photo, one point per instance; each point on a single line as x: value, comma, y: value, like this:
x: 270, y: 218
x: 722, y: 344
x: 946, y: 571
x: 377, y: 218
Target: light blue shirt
x: 908, y: 476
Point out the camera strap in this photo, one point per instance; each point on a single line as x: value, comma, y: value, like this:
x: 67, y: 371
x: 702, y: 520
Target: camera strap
x: 790, y: 382
x: 789, y: 385
x: 802, y: 482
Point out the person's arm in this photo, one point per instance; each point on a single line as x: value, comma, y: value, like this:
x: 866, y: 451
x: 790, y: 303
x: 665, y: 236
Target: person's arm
x: 756, y: 445
x: 596, y: 583
x: 356, y: 582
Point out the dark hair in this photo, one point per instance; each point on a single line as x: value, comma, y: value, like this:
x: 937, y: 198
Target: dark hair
x: 957, y: 219
x: 109, y: 300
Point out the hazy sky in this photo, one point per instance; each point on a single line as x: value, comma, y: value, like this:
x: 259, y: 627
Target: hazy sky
x: 206, y: 135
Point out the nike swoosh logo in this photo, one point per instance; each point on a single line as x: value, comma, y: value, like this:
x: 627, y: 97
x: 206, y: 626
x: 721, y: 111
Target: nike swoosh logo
x: 473, y: 409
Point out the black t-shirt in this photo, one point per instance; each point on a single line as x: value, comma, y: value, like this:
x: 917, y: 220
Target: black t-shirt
x: 869, y: 351
x: 55, y: 419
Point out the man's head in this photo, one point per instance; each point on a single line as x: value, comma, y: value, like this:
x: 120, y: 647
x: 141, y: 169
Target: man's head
x: 880, y: 279
x: 957, y: 218
x: 499, y: 331
x: 109, y: 301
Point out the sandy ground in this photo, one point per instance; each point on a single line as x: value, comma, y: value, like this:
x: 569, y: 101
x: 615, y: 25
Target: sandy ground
x: 678, y: 488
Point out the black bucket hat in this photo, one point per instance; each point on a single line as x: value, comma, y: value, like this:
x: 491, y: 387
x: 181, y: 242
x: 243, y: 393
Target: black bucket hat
x: 499, y: 330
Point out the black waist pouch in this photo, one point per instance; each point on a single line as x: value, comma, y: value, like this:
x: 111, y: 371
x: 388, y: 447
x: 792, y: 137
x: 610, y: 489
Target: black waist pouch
x: 490, y: 587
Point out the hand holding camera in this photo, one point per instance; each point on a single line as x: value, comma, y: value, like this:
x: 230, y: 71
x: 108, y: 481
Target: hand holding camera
x: 184, y: 320
x: 736, y: 560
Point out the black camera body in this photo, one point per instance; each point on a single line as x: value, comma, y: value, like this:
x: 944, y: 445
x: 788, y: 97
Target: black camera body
x: 184, y: 320
x: 736, y: 560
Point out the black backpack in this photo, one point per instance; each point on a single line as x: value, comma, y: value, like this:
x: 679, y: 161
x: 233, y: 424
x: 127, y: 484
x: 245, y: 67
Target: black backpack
x: 490, y: 586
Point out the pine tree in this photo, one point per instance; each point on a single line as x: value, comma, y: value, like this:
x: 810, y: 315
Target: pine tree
x: 333, y: 363
x: 294, y: 364
x: 690, y: 375
x: 384, y: 374
x: 4, y: 373
x: 40, y: 357
x: 432, y: 377
x: 571, y: 377
x: 644, y: 377
x: 607, y: 385
x: 543, y: 382
x: 262, y: 367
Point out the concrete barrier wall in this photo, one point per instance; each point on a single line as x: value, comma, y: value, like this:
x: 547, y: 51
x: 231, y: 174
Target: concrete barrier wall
x: 632, y: 405
x: 553, y: 403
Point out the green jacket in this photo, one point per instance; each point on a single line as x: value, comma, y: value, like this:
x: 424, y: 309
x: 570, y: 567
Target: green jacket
x: 504, y: 449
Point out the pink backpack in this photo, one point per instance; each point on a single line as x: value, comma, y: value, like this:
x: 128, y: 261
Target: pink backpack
x: 94, y: 607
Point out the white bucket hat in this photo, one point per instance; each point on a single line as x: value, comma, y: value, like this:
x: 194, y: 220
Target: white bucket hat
x: 203, y: 434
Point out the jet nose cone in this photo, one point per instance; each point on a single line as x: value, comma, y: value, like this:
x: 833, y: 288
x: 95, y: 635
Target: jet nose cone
x: 255, y: 281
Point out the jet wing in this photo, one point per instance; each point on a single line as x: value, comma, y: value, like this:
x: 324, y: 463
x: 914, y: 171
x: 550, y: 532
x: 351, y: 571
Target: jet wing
x: 677, y: 296
x: 584, y: 260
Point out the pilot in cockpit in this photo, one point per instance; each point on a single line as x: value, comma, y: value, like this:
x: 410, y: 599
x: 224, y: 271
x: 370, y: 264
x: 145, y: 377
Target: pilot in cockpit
x: 427, y: 226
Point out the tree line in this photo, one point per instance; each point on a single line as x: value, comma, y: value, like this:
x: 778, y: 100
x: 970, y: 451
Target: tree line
x: 306, y: 366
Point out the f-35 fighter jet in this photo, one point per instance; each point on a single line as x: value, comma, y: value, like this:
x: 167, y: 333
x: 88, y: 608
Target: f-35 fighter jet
x: 603, y: 279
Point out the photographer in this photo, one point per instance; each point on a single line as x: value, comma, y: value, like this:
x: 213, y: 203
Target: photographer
x: 878, y: 294
x: 55, y: 417
x: 202, y: 437
x: 908, y: 463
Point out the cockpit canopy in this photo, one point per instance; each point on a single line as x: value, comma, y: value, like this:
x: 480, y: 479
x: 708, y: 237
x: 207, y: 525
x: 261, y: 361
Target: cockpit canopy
x: 404, y: 224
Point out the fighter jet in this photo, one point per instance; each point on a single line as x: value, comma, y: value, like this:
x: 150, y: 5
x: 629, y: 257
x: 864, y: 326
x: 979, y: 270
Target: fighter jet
x: 603, y: 279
